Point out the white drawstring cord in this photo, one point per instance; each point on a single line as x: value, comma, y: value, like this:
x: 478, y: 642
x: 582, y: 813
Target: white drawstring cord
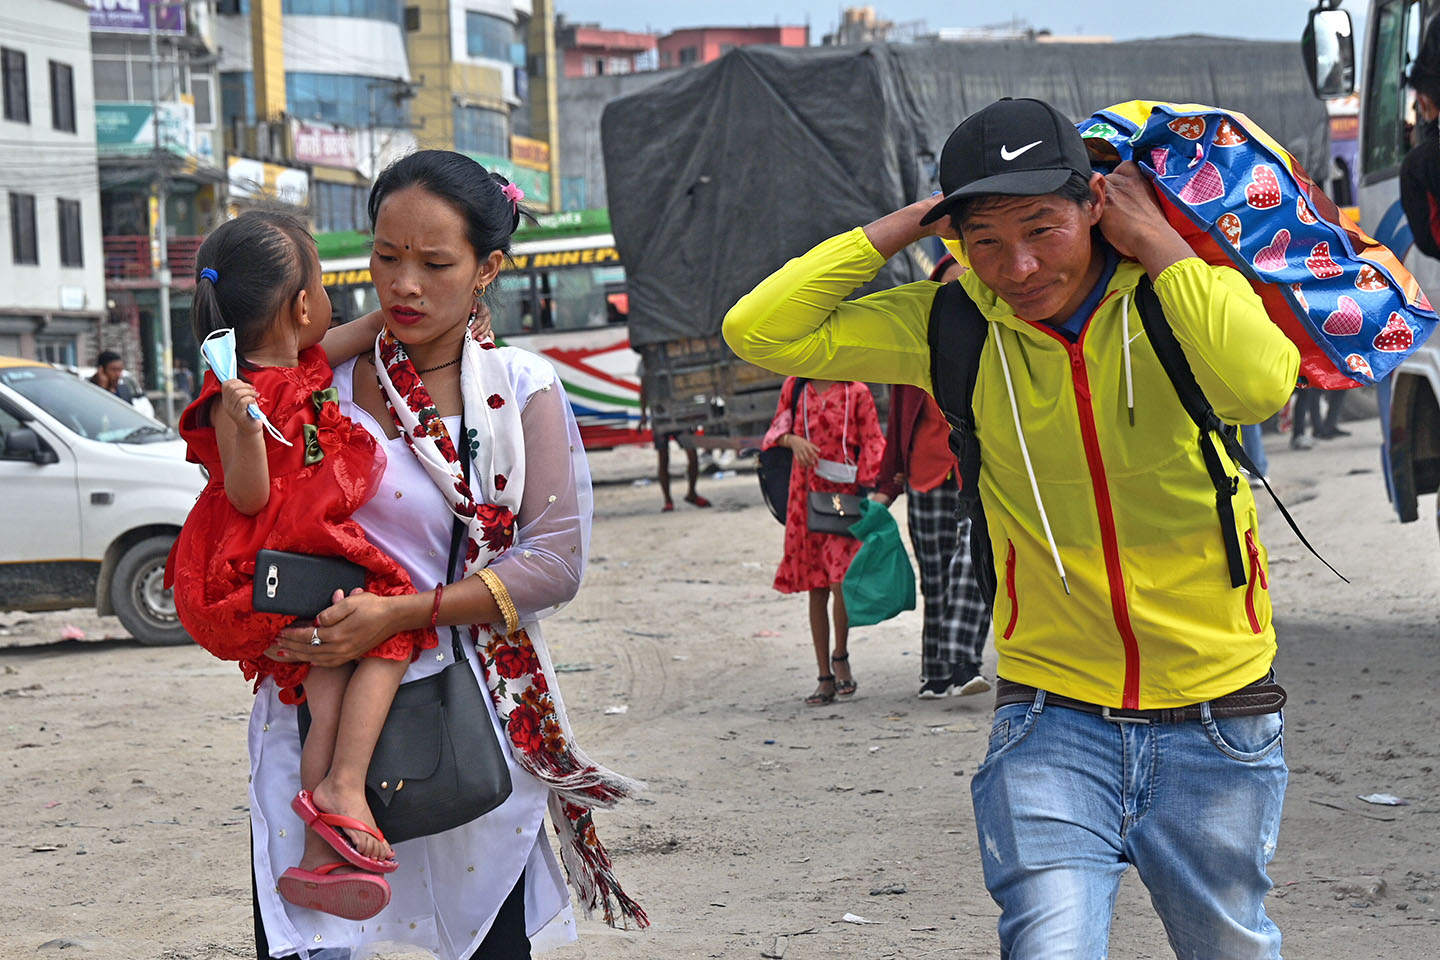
x: 1129, y: 380
x: 1025, y: 455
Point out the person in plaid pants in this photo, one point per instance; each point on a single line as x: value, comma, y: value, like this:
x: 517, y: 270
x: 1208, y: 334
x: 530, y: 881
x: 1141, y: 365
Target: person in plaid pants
x: 918, y: 462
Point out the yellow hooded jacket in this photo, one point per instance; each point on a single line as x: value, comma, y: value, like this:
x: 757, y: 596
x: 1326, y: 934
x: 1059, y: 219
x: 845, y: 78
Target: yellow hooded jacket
x: 1150, y: 619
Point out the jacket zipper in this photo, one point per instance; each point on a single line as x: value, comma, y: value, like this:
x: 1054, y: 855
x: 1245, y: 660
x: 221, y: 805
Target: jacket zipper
x: 1257, y: 574
x: 1109, y: 540
x: 1010, y: 588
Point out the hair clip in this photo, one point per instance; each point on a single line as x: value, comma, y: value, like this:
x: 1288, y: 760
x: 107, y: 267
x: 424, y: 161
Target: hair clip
x: 513, y: 193
x: 209, y: 274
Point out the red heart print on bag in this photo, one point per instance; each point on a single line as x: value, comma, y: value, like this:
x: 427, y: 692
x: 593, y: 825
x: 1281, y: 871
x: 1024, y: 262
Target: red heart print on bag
x: 1300, y: 297
x: 1272, y: 258
x: 1263, y: 190
x: 1229, y: 225
x: 1302, y: 210
x: 1191, y: 128
x: 1157, y: 160
x: 1346, y: 321
x: 1359, y: 364
x: 1370, y: 280
x: 1227, y: 136
x: 1205, y: 186
x: 1320, y: 263
x: 1397, y: 337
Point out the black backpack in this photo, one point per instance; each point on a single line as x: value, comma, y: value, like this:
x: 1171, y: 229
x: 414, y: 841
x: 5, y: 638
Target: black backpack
x: 957, y: 336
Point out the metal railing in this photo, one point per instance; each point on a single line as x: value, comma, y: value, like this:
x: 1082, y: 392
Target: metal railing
x: 127, y: 258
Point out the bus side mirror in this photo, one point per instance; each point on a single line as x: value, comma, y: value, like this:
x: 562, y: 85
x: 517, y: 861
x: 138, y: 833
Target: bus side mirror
x: 1328, y: 46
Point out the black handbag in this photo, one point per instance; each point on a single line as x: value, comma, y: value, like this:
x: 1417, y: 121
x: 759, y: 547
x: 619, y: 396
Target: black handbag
x: 438, y: 763
x: 832, y: 513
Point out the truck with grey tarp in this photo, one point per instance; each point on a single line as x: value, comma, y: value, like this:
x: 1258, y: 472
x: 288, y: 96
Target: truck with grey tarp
x: 719, y: 174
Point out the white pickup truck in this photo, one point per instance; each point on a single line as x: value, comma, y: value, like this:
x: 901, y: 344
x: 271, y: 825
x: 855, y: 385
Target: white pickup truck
x: 94, y: 495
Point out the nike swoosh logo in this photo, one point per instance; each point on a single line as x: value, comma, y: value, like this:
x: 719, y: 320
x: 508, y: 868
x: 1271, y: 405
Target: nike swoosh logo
x: 1008, y: 155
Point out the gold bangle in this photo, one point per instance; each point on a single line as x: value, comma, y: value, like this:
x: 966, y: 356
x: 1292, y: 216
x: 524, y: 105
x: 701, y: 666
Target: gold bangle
x: 502, y: 599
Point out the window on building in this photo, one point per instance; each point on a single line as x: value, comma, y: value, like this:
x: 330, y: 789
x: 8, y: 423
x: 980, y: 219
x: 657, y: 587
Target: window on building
x: 235, y: 98
x: 62, y: 96
x: 488, y: 36
x: 55, y: 349
x: 689, y: 55
x: 338, y: 206
x: 200, y: 90
x: 122, y: 69
x: 72, y: 252
x: 481, y: 130
x: 350, y: 101
x: 17, y: 88
x: 22, y: 228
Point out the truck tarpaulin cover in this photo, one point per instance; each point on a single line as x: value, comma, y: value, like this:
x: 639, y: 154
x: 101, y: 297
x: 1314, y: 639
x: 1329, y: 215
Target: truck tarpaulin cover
x: 719, y: 175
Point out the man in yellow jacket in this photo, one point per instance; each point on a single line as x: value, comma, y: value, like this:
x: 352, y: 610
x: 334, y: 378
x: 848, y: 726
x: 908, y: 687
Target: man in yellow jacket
x: 1136, y: 718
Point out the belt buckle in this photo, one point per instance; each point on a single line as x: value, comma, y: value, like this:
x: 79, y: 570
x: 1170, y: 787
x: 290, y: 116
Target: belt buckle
x: 1105, y: 713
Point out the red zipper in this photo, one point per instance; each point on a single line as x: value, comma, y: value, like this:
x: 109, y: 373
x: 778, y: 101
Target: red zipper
x: 1257, y: 574
x: 1120, y: 611
x: 1010, y: 588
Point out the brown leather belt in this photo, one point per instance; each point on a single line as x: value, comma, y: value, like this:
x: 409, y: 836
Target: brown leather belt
x: 1260, y: 697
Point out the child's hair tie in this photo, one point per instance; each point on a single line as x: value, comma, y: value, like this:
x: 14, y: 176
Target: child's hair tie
x: 513, y: 193
x: 209, y: 274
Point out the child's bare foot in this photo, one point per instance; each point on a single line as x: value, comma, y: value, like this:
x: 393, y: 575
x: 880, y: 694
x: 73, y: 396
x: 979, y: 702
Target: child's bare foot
x: 333, y: 798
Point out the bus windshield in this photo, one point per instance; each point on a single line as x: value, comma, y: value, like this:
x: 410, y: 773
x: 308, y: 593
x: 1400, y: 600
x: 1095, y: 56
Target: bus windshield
x: 560, y: 290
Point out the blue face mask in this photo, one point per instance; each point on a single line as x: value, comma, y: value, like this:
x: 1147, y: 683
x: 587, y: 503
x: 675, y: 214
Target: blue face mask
x: 219, y: 352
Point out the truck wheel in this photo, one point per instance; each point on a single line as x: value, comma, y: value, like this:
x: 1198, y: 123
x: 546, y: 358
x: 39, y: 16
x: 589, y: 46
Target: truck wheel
x: 141, y: 601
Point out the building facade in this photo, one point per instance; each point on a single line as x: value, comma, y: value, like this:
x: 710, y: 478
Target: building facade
x: 487, y: 87
x: 157, y: 141
x: 696, y: 45
x: 51, y: 259
x: 589, y: 50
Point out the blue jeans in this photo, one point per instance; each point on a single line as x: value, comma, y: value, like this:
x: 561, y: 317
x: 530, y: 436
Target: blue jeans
x: 1066, y: 800
x: 1250, y: 439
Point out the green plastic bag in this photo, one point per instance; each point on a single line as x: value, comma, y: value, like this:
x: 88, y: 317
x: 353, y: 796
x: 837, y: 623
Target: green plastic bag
x: 880, y: 583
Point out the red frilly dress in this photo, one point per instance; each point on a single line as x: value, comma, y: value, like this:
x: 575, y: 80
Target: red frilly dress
x: 843, y: 423
x: 212, y: 565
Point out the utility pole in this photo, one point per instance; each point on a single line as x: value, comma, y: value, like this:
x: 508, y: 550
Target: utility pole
x: 160, y: 253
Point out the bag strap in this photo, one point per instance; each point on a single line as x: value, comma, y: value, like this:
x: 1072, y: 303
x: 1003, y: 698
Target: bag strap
x: 1197, y: 405
x: 457, y: 533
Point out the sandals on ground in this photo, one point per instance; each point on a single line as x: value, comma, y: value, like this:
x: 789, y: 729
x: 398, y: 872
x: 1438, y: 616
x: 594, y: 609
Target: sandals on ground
x: 819, y: 698
x: 844, y: 688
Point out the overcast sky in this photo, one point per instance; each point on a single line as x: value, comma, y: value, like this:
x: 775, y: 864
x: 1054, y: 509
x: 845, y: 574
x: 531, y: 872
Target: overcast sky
x: 1121, y: 19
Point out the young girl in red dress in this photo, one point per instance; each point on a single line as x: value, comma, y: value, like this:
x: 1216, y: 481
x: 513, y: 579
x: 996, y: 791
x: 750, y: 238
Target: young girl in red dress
x: 835, y: 436
x: 260, y: 275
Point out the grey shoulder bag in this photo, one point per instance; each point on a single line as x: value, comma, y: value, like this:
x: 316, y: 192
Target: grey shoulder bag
x: 438, y: 763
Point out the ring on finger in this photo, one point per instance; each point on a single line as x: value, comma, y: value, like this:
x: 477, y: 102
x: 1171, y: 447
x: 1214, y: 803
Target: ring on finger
x: 315, y: 637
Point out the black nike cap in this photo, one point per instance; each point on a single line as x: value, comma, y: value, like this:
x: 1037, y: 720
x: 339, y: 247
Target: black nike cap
x: 1016, y: 148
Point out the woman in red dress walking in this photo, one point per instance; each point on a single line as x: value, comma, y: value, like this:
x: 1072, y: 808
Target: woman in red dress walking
x: 835, y: 436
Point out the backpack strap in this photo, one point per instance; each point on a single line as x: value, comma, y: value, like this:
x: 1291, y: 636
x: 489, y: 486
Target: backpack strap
x: 1214, y: 433
x: 957, y: 335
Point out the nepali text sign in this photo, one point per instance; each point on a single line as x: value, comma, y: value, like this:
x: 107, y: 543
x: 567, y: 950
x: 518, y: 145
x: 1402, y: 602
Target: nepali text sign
x: 133, y: 16
x: 324, y: 145
x: 127, y: 129
x: 534, y: 154
x: 256, y: 178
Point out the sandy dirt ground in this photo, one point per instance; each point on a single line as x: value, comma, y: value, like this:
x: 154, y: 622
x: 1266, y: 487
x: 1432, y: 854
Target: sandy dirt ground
x: 123, y: 819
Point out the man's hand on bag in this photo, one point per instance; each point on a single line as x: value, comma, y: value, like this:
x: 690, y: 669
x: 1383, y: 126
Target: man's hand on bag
x: 806, y: 453
x: 348, y: 629
x: 1135, y: 225
x: 881, y: 498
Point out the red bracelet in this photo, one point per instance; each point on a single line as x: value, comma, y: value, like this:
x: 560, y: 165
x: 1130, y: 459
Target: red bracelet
x: 435, y: 611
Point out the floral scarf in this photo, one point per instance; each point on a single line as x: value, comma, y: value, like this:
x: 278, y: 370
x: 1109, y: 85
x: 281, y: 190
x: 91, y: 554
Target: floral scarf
x: 518, y: 671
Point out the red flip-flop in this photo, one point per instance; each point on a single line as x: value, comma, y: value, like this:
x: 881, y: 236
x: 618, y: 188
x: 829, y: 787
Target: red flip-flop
x: 324, y: 825
x: 698, y: 501
x: 354, y: 896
